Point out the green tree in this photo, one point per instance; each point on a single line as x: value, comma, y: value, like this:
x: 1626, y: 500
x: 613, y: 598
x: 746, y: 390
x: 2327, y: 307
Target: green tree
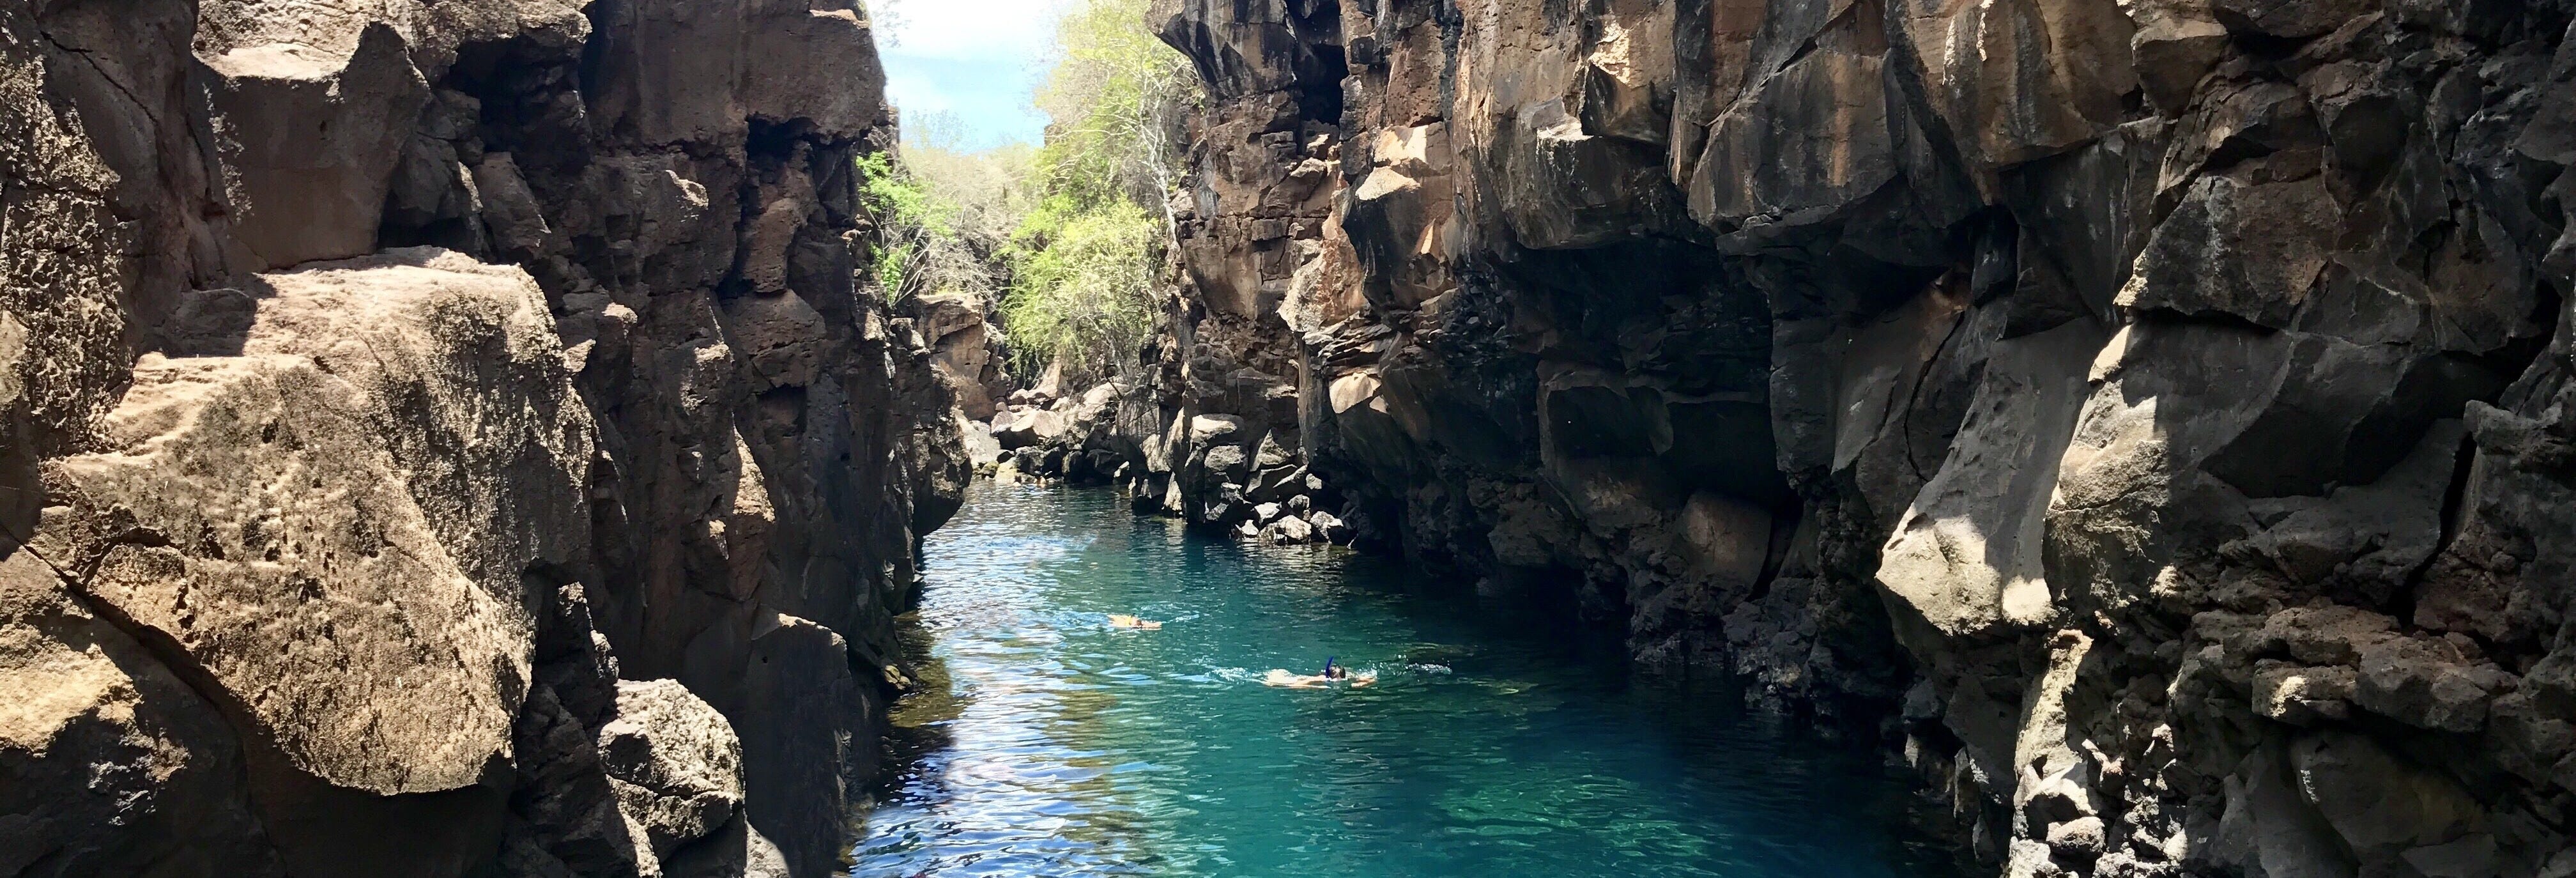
x: 946, y: 217
x: 1081, y: 293
x: 1085, y: 258
x: 1117, y: 100
x: 1067, y: 237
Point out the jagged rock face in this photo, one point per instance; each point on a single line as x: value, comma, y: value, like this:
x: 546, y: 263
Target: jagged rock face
x: 2152, y: 411
x: 385, y: 380
x: 674, y: 762
x: 114, y: 763
x: 968, y: 354
x: 1257, y: 213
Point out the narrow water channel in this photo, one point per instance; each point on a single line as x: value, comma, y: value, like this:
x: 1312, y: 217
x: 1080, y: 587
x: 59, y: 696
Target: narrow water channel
x: 1047, y: 743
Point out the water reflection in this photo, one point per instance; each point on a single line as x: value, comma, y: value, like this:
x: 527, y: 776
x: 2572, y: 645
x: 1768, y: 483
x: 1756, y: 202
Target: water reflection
x: 1045, y: 742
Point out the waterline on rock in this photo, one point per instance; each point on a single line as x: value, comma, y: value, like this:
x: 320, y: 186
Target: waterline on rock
x: 1046, y: 742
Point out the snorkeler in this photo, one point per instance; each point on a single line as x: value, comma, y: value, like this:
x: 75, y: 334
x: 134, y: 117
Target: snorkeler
x: 1333, y: 673
x: 1117, y: 620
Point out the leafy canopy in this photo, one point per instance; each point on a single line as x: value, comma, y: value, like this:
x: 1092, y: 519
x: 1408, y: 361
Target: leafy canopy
x: 1064, y: 240
x: 1085, y: 259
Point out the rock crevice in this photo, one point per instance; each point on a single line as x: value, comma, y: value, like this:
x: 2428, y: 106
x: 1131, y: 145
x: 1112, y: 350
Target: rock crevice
x: 448, y: 439
x: 2143, y: 419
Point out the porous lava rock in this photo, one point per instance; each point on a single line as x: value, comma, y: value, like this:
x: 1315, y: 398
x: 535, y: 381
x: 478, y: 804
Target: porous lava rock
x: 387, y: 387
x: 2146, y: 420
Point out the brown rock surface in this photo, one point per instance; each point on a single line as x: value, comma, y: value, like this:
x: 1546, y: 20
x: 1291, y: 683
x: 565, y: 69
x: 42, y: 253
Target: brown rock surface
x: 331, y: 567
x: 245, y: 514
x: 2160, y: 407
x: 673, y: 761
x: 113, y: 763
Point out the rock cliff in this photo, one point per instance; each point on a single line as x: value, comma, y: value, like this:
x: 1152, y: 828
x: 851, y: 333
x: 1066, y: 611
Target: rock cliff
x: 447, y: 438
x: 2148, y: 420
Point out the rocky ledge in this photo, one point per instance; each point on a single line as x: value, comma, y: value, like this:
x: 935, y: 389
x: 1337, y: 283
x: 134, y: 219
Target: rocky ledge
x: 2147, y: 420
x: 447, y: 438
x: 1216, y: 470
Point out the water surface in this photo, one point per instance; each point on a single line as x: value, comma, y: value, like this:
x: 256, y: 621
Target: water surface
x: 1046, y: 743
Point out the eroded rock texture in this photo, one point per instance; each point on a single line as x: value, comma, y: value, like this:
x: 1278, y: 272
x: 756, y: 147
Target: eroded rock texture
x: 2146, y: 419
x: 390, y: 390
x: 1208, y: 427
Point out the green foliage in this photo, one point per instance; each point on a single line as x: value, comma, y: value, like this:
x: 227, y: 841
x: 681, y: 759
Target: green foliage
x: 1084, y: 259
x: 1117, y: 99
x: 1069, y: 236
x: 944, y: 218
x: 905, y: 216
x: 1082, y: 292
x: 894, y: 196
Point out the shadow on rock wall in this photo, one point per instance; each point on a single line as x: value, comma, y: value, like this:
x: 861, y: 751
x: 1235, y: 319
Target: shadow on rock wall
x: 448, y: 438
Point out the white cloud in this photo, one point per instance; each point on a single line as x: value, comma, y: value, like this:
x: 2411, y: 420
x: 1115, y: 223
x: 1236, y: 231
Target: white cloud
x: 1013, y: 31
x: 975, y: 62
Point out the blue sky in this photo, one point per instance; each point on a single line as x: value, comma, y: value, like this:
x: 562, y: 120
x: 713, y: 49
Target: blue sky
x: 976, y: 61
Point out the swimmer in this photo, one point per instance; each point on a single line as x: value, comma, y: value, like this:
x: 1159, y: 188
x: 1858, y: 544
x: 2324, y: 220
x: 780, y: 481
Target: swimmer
x: 1333, y: 673
x: 1117, y: 620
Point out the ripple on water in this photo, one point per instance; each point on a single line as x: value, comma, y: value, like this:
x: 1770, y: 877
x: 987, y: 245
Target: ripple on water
x: 1046, y: 743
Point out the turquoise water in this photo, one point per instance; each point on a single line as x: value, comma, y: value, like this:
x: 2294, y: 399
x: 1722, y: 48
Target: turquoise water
x: 1046, y: 743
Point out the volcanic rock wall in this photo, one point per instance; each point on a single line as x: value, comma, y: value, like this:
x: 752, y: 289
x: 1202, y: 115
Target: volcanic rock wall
x: 447, y: 438
x: 1206, y: 425
x: 2147, y: 419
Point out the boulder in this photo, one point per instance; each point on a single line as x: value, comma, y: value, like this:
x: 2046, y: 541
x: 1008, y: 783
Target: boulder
x: 1288, y: 532
x: 671, y: 74
x: 735, y: 851
x: 2427, y: 683
x: 316, y: 600
x: 330, y: 542
x: 565, y: 819
x: 2269, y: 825
x: 2245, y: 248
x: 782, y: 339
x: 1211, y: 430
x: 1277, y: 482
x: 1966, y: 554
x: 315, y: 134
x: 807, y: 720
x: 2302, y: 18
x: 116, y: 766
x: 464, y: 381
x: 1329, y: 527
x: 372, y: 455
x: 1222, y: 463
x: 1813, y: 139
x: 981, y: 447
x: 674, y: 762
x: 517, y: 222
x: 1029, y: 428
x: 2383, y: 807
